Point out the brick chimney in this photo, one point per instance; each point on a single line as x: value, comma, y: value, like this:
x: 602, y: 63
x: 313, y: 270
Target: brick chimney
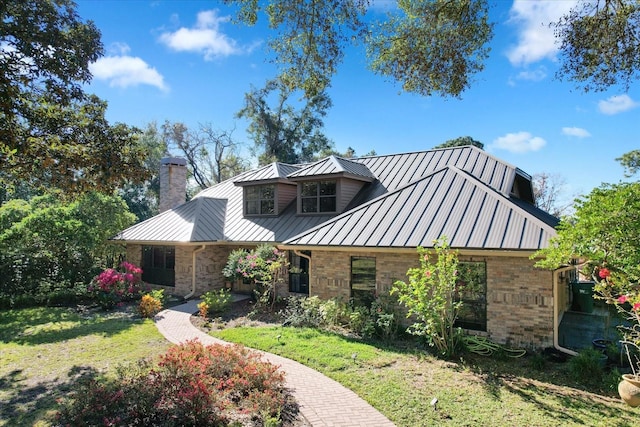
x: 173, y: 182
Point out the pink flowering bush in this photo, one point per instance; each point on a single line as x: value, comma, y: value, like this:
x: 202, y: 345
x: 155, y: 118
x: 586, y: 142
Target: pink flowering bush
x: 616, y: 288
x: 113, y: 287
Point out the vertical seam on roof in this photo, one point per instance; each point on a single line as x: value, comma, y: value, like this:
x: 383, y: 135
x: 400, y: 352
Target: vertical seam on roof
x: 506, y: 228
x: 453, y: 205
x: 432, y: 218
x: 473, y: 192
x: 427, y: 186
x: 524, y: 227
x: 493, y: 216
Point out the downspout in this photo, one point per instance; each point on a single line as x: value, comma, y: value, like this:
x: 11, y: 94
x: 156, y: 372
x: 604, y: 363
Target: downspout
x: 556, y: 317
x: 308, y: 258
x: 193, y: 271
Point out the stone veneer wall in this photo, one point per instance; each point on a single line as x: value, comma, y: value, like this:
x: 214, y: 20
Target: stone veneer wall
x: 519, y: 296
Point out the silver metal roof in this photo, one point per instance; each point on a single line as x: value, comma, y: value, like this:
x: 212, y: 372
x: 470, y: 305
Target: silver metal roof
x: 448, y: 202
x: 272, y: 172
x: 334, y: 165
x: 414, y: 198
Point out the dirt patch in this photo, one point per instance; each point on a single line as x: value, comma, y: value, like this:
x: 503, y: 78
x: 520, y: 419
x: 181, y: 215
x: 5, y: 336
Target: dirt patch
x: 241, y: 313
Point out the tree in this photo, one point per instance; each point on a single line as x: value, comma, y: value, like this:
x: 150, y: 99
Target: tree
x: 631, y: 162
x: 430, y: 298
x: 46, y: 243
x: 546, y: 192
x: 599, y: 44
x: 50, y: 130
x: 437, y: 46
x: 604, y: 230
x: 429, y: 46
x: 211, y: 154
x: 284, y: 133
x: 142, y: 198
x: 461, y: 142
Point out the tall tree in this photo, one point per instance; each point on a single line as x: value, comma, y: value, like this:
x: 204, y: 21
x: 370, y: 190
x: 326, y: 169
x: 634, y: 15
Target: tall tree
x: 211, y: 154
x: 547, y: 189
x: 142, y: 198
x: 630, y: 162
x: 437, y: 46
x: 50, y: 130
x: 600, y: 43
x: 282, y: 132
x: 461, y: 142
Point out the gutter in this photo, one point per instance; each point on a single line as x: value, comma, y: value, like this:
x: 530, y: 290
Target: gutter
x: 556, y: 317
x: 193, y: 271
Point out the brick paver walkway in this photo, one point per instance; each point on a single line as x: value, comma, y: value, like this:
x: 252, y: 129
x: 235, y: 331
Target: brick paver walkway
x: 323, y: 401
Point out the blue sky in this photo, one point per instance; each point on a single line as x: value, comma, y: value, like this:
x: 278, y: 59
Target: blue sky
x: 184, y: 61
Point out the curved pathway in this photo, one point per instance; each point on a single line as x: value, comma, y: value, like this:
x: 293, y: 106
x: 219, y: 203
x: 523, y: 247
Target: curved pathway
x: 323, y: 401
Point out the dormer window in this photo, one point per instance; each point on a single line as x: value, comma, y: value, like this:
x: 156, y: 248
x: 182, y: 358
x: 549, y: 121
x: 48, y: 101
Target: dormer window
x: 260, y: 200
x: 318, y: 196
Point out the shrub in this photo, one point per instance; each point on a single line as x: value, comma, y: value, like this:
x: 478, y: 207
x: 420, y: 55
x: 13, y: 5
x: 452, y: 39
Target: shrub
x: 111, y: 287
x: 587, y: 367
x: 191, y: 384
x: 216, y: 302
x: 430, y: 298
x: 149, y: 306
x: 302, y: 311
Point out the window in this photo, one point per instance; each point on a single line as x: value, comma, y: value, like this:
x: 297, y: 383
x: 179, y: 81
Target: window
x: 318, y: 197
x: 260, y: 200
x: 471, y: 289
x: 158, y: 265
x: 299, y: 273
x: 363, y: 280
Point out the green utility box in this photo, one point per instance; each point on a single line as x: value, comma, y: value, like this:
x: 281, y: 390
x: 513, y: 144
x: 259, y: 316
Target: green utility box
x: 582, y: 296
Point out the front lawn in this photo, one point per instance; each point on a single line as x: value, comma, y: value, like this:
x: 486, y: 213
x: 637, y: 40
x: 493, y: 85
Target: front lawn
x: 474, y: 391
x: 45, y: 351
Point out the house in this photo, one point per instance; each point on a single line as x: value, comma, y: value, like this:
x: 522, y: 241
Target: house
x: 352, y: 226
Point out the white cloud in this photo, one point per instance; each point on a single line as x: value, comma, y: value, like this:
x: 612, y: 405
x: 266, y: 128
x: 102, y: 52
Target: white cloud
x: 124, y: 71
x: 616, y: 104
x: 519, y: 142
x: 536, y: 40
x: 577, y: 132
x: 533, y: 75
x: 205, y: 37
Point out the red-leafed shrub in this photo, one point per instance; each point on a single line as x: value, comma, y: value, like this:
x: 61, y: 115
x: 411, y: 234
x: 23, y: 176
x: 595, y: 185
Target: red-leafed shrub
x: 191, y: 384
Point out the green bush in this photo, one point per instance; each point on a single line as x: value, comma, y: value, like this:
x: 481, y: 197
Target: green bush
x: 587, y: 367
x: 217, y: 301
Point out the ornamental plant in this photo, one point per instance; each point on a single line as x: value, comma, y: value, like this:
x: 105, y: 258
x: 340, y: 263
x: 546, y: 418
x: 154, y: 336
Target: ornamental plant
x: 617, y: 289
x: 601, y: 239
x: 430, y: 297
x: 190, y: 385
x: 113, y: 287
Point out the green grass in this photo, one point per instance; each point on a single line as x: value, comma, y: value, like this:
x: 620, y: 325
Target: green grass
x: 472, y: 392
x: 45, y: 351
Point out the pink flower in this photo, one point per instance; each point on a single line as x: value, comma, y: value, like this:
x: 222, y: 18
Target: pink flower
x: 622, y: 299
x: 129, y: 277
x: 427, y: 273
x: 636, y: 306
x: 604, y: 273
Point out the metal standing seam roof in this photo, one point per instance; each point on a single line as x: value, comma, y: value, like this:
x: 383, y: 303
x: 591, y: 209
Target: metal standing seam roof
x: 447, y: 202
x: 271, y: 172
x: 199, y: 220
x: 414, y: 197
x: 333, y: 165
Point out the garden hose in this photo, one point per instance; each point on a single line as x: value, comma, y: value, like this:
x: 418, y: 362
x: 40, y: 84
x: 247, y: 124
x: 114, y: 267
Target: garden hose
x: 484, y: 347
